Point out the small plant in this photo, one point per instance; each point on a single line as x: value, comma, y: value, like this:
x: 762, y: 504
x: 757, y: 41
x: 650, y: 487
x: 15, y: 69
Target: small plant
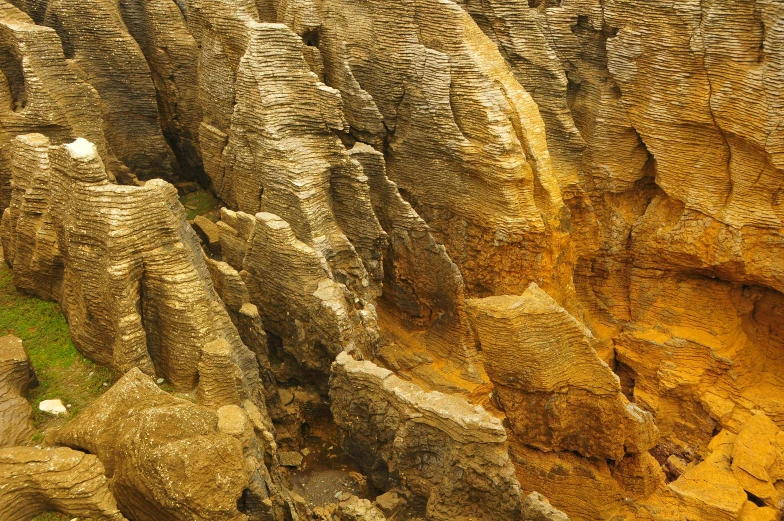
x: 201, y: 202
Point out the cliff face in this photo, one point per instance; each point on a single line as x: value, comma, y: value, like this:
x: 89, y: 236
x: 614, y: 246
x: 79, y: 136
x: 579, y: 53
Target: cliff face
x: 565, y: 212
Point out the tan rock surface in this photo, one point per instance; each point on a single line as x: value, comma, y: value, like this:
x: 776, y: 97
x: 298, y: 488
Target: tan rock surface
x: 142, y: 296
x: 112, y: 62
x: 64, y: 480
x: 624, y: 155
x: 41, y: 91
x: 169, y: 458
x: 451, y: 456
x: 482, y: 180
x: 16, y: 377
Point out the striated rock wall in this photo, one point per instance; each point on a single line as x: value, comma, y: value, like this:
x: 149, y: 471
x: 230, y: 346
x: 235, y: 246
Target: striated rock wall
x: 464, y: 141
x: 450, y: 455
x: 298, y: 299
x: 112, y: 62
x: 140, y: 295
x: 396, y: 175
x: 43, y: 92
x: 65, y: 480
x: 555, y: 390
x: 16, y: 377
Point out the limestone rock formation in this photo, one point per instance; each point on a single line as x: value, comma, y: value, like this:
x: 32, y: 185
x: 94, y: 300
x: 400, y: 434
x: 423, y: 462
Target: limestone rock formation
x: 355, y: 509
x: 41, y: 91
x: 164, y: 453
x: 65, y: 480
x: 555, y: 390
x: 465, y: 142
x: 422, y: 284
x: 159, y: 27
x: 315, y: 316
x: 450, y: 455
x: 16, y: 377
x: 112, y: 62
x: 142, y: 295
x: 396, y: 175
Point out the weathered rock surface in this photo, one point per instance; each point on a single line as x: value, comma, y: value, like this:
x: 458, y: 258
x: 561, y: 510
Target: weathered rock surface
x: 41, y: 91
x: 396, y: 159
x: 171, y: 459
x: 355, y: 509
x: 112, y: 62
x: 141, y: 296
x: 465, y: 142
x: 16, y: 377
x: 299, y: 301
x: 557, y: 393
x: 35, y: 480
x: 736, y: 468
x: 451, y: 456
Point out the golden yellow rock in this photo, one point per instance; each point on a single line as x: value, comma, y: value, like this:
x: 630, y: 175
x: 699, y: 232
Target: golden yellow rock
x: 556, y: 392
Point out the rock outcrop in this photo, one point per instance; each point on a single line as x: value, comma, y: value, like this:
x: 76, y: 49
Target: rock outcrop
x: 16, y: 377
x: 141, y: 295
x: 556, y: 391
x: 112, y: 62
x: 42, y: 91
x: 568, y: 212
x: 315, y: 316
x: 171, y: 459
x: 464, y: 143
x: 451, y: 456
x: 35, y: 481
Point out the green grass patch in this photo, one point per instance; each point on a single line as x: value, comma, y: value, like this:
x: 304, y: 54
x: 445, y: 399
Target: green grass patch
x: 61, y: 370
x: 201, y: 202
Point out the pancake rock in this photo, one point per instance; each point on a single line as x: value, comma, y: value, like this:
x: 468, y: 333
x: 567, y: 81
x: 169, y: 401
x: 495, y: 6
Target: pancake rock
x: 270, y: 143
x: 112, y: 62
x: 315, y: 316
x: 160, y: 29
x: 41, y: 91
x: 450, y: 455
x: 163, y: 454
x: 465, y: 143
x: 300, y: 172
x: 421, y: 283
x: 64, y: 480
x: 141, y: 294
x: 557, y: 393
x: 16, y: 377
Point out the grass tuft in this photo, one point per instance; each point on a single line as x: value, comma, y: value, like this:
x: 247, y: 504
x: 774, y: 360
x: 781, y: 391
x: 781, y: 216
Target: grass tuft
x: 61, y: 370
x: 201, y: 202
